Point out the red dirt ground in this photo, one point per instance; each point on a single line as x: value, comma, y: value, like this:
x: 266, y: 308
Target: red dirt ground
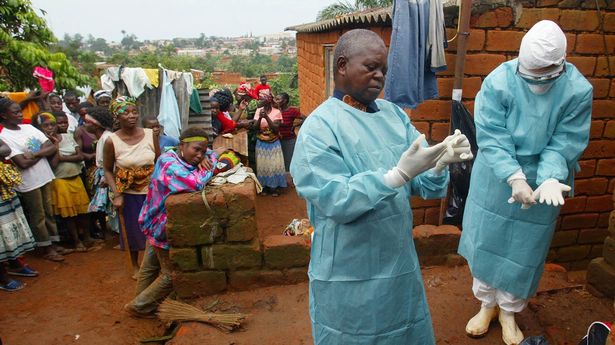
x: 80, y: 302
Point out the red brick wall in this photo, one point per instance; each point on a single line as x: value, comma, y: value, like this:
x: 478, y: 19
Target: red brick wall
x: 495, y: 37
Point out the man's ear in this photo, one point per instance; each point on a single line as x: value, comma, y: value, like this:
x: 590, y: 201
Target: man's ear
x: 341, y: 64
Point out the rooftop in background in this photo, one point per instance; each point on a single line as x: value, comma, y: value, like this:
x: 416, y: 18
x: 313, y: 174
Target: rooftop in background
x: 371, y: 17
x: 383, y: 16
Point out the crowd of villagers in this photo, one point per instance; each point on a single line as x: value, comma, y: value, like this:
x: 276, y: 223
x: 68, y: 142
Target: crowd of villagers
x: 81, y: 171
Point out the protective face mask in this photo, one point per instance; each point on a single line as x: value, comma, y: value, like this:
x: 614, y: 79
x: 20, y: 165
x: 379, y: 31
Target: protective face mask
x: 539, y: 89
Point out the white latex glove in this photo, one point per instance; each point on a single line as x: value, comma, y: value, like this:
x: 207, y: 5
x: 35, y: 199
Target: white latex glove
x: 551, y: 192
x: 457, y: 150
x: 414, y: 161
x: 521, y: 193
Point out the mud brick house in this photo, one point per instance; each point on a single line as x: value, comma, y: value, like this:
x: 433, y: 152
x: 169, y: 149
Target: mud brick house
x: 496, y: 31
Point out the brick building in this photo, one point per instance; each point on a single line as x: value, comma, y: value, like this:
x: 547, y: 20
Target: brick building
x: 496, y: 31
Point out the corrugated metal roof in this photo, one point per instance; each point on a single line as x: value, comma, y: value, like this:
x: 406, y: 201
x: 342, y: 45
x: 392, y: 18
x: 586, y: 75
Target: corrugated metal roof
x: 368, y: 17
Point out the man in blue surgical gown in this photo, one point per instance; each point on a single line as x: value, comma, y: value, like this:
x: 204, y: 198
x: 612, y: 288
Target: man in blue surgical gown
x: 532, y: 123
x: 356, y: 162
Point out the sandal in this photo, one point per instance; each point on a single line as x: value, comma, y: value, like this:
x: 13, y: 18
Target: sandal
x: 64, y: 251
x: 80, y: 248
x: 12, y: 286
x: 25, y: 271
x: 55, y: 257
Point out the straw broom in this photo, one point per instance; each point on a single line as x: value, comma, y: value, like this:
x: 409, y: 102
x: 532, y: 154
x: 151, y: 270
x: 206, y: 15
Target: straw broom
x: 171, y: 310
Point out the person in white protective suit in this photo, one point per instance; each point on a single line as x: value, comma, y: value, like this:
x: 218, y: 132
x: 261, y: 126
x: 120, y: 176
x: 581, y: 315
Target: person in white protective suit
x: 532, y: 119
x: 357, y: 161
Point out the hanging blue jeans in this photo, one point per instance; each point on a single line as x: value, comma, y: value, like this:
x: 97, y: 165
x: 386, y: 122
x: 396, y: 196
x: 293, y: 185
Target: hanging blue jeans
x: 410, y: 79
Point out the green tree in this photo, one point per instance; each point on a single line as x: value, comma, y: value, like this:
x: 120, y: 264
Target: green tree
x: 25, y: 40
x: 343, y: 7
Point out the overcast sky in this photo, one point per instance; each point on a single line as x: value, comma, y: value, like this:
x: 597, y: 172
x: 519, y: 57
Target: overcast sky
x: 158, y: 19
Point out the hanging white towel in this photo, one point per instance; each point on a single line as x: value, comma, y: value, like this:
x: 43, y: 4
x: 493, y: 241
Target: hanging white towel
x: 435, y: 40
x: 169, y: 115
x: 136, y: 80
x: 189, y: 80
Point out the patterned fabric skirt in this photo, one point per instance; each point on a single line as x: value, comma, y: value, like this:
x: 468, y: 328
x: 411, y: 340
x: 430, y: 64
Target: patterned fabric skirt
x: 15, y: 235
x: 270, y: 164
x: 100, y: 201
x: 68, y: 197
x: 132, y: 207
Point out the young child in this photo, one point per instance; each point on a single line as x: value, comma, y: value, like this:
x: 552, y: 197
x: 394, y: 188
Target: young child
x: 69, y: 198
x: 15, y: 235
x: 187, y: 170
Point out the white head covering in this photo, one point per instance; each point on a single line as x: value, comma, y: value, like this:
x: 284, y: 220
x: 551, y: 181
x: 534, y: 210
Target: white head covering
x: 102, y: 93
x: 543, y: 46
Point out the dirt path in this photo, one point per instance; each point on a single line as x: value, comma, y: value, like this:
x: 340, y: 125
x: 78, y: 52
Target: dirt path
x: 278, y: 315
x: 80, y: 302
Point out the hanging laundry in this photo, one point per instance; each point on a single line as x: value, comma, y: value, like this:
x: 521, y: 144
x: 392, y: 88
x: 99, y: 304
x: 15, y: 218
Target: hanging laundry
x: 111, y: 75
x: 136, y: 80
x: 437, y: 37
x: 153, y: 76
x: 189, y: 80
x: 45, y: 78
x: 195, y: 102
x: 410, y: 79
x: 169, y: 115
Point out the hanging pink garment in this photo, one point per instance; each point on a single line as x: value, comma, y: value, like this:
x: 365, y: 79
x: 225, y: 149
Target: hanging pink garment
x: 45, y: 78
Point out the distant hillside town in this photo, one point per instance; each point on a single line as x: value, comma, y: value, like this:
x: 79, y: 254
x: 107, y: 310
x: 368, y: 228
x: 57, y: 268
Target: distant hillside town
x: 272, y: 44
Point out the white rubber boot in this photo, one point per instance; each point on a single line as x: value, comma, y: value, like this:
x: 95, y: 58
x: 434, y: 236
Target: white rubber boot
x: 511, y: 334
x: 478, y: 326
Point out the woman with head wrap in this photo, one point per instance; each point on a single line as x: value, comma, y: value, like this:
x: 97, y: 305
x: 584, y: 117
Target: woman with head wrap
x: 269, y: 158
x: 102, y: 98
x: 69, y: 199
x: 129, y: 157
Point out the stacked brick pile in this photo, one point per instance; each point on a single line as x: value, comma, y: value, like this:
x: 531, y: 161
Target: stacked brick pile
x: 217, y: 247
x: 601, y: 271
x: 495, y: 37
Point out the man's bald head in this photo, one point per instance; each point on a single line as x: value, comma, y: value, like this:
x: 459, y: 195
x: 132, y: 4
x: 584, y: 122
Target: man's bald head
x: 360, y: 65
x: 353, y: 41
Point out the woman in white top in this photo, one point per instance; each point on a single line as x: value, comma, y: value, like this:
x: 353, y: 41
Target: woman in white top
x: 130, y: 154
x: 29, y: 151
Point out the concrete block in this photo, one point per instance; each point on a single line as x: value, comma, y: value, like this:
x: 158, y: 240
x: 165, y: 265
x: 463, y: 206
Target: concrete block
x: 601, y: 276
x: 232, y: 256
x: 189, y: 222
x: 242, y: 228
x: 608, y: 251
x: 286, y: 251
x: 433, y: 241
x: 249, y: 279
x: 184, y: 259
x: 196, y: 284
x: 245, y: 280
